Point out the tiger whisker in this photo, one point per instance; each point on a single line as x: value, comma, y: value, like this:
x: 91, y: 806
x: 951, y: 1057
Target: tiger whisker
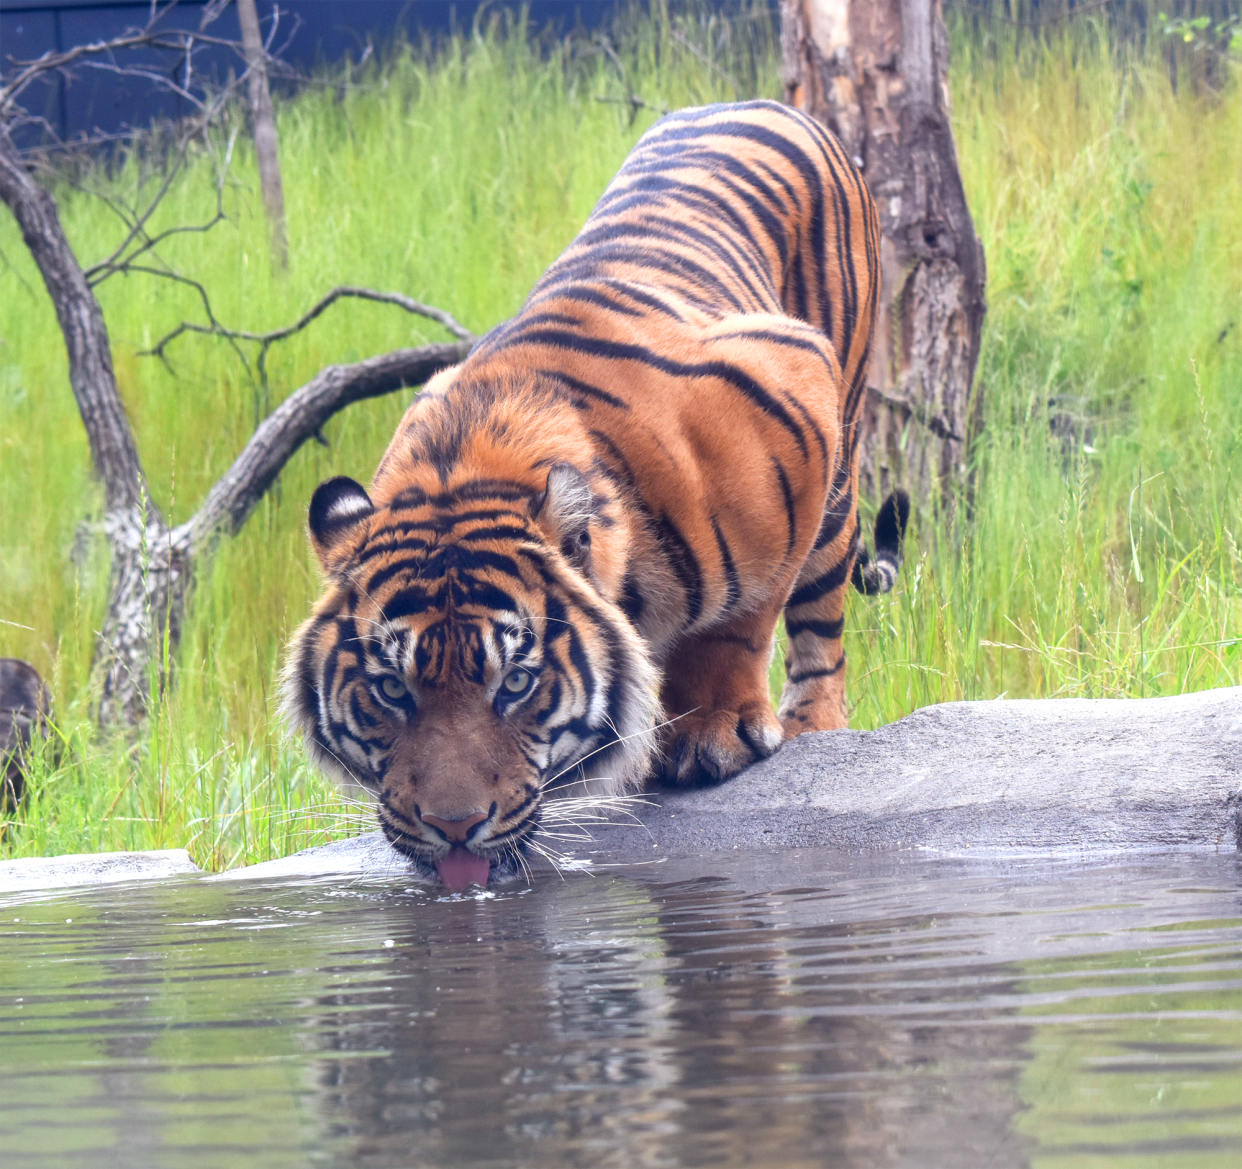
x: 595, y: 814
x: 556, y: 860
x: 567, y: 803
x: 623, y: 739
x: 515, y: 854
x: 582, y: 825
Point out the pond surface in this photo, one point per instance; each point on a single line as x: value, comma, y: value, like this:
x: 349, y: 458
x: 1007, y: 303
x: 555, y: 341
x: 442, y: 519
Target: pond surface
x: 798, y: 1009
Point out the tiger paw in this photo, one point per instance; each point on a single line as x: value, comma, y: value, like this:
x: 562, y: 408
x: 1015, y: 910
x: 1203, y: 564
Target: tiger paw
x: 709, y: 747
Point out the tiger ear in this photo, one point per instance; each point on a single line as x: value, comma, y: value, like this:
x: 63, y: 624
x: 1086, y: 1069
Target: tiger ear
x: 336, y: 508
x: 564, y: 510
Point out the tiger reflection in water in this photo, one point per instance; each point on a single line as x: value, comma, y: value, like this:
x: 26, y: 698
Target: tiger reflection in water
x: 568, y: 571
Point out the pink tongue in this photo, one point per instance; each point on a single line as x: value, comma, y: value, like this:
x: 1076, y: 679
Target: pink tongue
x: 460, y: 868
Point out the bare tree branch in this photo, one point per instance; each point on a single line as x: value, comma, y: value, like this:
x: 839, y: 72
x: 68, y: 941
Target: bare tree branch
x: 694, y: 49
x: 266, y: 340
x: 176, y: 41
x: 632, y: 99
x: 97, y: 273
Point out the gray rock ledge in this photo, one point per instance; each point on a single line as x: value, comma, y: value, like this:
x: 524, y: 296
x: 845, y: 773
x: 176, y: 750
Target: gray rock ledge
x: 93, y: 868
x: 1054, y: 776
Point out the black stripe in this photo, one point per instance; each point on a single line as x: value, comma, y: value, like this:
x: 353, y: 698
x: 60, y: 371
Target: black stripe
x: 548, y: 316
x: 733, y: 586
x: 684, y: 564
x: 477, y: 490
x: 836, y: 515
x: 682, y: 234
x: 828, y: 629
x: 723, y: 370
x: 578, y: 658
x: 410, y: 602
x: 365, y: 718
x: 676, y: 268
x: 791, y: 518
x: 718, y: 164
x: 585, y: 389
x: 798, y: 278
x: 623, y: 469
x: 631, y: 602
x: 467, y: 590
x: 687, y: 200
x: 554, y: 702
x: 790, y: 190
x: 644, y: 297
x: 821, y: 586
x: 583, y: 295
x: 790, y: 340
x: 828, y: 673
x: 445, y: 559
x: 810, y: 174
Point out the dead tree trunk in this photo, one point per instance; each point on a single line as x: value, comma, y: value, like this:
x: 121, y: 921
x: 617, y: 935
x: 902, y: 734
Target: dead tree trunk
x: 147, y: 570
x: 875, y: 73
x: 151, y: 563
x: 266, y: 143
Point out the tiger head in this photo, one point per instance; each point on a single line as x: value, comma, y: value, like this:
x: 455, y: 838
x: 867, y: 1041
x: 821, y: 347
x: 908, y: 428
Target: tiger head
x: 466, y: 661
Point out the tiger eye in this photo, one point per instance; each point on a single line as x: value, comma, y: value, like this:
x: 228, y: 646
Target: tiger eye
x: 393, y: 687
x: 516, y: 682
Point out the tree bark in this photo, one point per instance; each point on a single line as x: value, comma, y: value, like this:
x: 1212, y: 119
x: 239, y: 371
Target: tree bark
x: 147, y: 571
x: 151, y: 563
x: 81, y: 322
x: 266, y: 143
x: 875, y: 72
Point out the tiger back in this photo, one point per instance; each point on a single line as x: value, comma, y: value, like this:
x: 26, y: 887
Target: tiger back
x: 569, y: 568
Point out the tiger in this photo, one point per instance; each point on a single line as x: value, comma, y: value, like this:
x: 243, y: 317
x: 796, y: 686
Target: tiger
x: 567, y: 574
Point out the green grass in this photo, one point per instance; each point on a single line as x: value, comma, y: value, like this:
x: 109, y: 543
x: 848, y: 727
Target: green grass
x: 1107, y: 206
x: 1108, y: 566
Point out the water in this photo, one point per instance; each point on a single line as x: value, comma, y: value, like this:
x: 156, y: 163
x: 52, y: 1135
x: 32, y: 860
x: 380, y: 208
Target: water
x: 798, y: 1009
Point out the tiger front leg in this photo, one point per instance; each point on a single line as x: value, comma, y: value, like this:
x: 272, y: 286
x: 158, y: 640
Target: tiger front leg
x: 814, y: 695
x: 716, y: 700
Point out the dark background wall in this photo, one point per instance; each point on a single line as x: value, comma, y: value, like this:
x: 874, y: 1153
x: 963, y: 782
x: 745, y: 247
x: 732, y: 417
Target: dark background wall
x: 312, y: 32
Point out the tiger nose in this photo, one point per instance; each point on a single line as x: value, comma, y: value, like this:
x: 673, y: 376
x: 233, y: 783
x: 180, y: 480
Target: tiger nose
x: 456, y: 831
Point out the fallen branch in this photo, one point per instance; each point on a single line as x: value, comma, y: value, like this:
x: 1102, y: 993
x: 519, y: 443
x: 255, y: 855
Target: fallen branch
x: 919, y: 411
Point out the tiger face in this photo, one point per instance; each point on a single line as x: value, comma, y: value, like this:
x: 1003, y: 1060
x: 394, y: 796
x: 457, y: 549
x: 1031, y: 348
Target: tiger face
x: 462, y: 667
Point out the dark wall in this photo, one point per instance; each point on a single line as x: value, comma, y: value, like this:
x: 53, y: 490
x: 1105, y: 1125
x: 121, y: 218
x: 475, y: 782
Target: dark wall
x: 312, y: 31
